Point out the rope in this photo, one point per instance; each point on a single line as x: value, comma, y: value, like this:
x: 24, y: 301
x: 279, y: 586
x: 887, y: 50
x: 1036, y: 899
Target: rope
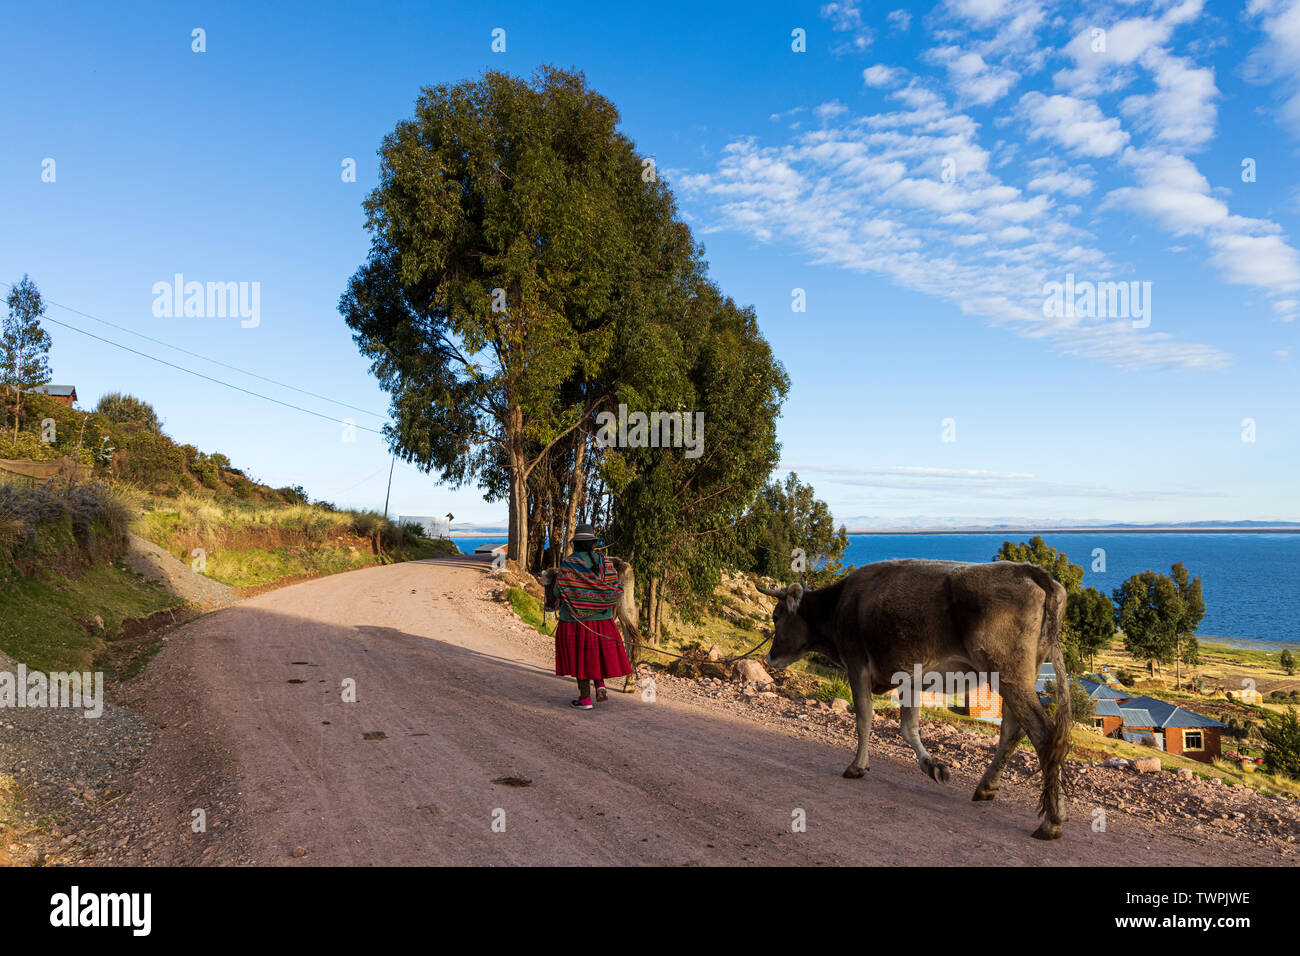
x: 649, y: 647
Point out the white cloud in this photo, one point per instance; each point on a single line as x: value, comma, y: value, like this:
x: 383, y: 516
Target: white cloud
x: 1078, y: 125
x: 899, y: 20
x: 973, y: 80
x: 1065, y: 183
x: 846, y: 17
x: 1177, y: 196
x: 881, y: 75
x: 828, y: 111
x: 1181, y: 113
x: 1278, y: 57
x: 869, y: 195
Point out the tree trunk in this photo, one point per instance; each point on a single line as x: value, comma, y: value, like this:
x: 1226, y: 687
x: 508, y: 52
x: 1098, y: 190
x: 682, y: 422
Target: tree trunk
x: 651, y: 604
x: 517, y: 546
x: 577, y: 486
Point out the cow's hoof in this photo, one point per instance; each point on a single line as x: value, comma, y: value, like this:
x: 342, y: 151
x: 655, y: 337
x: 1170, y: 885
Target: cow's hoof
x: 1048, y: 831
x: 854, y: 772
x: 938, y: 771
x: 983, y: 794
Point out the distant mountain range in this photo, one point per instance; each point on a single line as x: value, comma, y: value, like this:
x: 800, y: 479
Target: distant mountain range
x: 867, y: 524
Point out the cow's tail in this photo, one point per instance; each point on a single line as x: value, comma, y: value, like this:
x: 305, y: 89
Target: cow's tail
x: 1053, y: 762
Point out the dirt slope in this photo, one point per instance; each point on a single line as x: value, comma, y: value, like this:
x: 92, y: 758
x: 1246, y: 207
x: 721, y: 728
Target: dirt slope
x: 452, y: 696
x: 146, y: 558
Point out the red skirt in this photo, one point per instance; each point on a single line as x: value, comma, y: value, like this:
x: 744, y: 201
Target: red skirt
x: 589, y: 650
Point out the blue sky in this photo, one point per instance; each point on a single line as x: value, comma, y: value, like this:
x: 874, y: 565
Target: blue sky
x: 921, y: 172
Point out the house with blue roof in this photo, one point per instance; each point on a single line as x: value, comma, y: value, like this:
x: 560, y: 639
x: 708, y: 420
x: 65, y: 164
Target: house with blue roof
x: 1144, y: 720
x: 1173, y: 729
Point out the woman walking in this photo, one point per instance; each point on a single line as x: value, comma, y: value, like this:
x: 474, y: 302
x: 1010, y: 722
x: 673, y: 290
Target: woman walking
x: 588, y: 645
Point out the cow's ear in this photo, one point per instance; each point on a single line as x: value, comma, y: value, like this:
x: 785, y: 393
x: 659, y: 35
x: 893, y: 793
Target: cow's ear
x: 793, y: 595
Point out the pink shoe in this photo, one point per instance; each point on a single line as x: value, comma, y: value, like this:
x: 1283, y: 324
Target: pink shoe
x: 583, y: 703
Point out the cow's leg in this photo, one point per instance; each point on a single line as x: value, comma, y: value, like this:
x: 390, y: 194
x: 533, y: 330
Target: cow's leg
x: 860, y: 682
x: 633, y: 658
x: 1029, y: 711
x: 909, y: 725
x: 1007, y: 742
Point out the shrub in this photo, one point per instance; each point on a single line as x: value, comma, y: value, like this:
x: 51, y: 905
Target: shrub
x: 1281, y: 733
x: 121, y: 409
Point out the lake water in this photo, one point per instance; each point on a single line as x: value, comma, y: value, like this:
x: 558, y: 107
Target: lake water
x: 1251, y: 581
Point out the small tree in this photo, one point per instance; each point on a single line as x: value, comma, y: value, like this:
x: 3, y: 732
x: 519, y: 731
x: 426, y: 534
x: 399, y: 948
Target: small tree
x: 121, y: 409
x: 1082, y: 707
x: 1091, y: 619
x: 1281, y: 733
x: 24, y: 345
x: 1188, y: 613
x: 1148, y: 610
x: 1287, y: 660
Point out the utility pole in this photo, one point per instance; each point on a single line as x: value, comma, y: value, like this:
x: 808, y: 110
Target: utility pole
x: 390, y: 486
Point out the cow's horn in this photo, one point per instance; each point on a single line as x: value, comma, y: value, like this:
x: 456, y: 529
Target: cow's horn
x: 772, y: 592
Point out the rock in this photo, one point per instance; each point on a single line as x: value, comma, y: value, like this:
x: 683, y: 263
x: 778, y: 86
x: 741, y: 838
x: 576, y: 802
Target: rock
x: 1185, y: 772
x: 1216, y: 780
x: 1115, y: 763
x: 99, y: 622
x: 1145, y: 764
x: 298, y: 851
x: 840, y: 705
x: 751, y: 670
x: 715, y: 653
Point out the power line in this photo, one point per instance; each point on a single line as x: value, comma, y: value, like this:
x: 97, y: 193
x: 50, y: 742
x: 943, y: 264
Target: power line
x: 209, y: 378
x: 233, y: 368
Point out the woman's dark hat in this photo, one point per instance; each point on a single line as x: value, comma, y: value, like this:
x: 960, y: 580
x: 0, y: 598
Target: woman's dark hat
x: 585, y: 532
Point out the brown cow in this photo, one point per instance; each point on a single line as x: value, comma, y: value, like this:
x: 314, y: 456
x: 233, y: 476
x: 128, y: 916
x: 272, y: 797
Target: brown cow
x: 884, y: 619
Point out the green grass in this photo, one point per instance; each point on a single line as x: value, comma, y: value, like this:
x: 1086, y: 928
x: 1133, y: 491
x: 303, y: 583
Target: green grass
x: 41, y: 617
x: 258, y: 566
x: 832, y: 688
x: 527, y: 608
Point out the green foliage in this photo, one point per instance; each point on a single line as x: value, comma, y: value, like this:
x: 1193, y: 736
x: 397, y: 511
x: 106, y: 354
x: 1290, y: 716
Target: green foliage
x: 1036, y: 551
x: 24, y: 346
x: 1281, y: 734
x: 1287, y: 660
x: 53, y: 523
x: 120, y: 409
x: 525, y: 277
x: 1082, y: 707
x: 785, y: 524
x: 1090, y: 618
x: 1158, y: 615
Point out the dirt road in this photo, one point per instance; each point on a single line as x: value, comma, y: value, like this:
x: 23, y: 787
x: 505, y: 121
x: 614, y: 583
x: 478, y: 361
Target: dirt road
x: 451, y: 695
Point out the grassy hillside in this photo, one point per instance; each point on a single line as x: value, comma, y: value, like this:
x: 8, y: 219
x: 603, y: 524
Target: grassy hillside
x: 64, y: 595
x: 64, y: 598
x: 253, y: 544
